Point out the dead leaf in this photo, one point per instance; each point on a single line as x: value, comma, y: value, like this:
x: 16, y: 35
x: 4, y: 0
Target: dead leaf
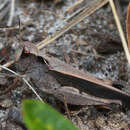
x: 128, y: 26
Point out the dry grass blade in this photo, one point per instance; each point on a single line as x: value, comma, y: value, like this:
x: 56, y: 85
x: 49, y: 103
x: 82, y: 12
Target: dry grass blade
x: 128, y: 26
x: 3, y: 4
x: 12, y: 10
x: 32, y: 89
x: 3, y: 12
x: 86, y: 12
x: 5, y: 68
x: 122, y: 36
x: 7, y: 64
x: 74, y: 5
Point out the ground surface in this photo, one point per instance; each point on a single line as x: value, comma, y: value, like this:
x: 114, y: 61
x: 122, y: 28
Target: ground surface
x: 93, y: 46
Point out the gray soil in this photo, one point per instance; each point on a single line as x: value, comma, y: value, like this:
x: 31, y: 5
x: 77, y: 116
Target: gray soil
x: 93, y: 46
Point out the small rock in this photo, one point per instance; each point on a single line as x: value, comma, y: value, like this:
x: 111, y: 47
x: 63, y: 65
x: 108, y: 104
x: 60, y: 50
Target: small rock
x: 6, y: 103
x: 14, y: 115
